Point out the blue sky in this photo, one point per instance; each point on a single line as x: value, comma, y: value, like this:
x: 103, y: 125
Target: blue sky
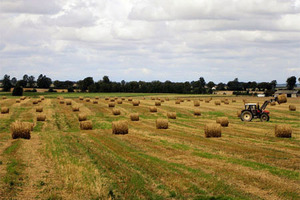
x: 177, y: 40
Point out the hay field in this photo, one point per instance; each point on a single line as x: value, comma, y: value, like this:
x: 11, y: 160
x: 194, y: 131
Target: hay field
x: 61, y: 161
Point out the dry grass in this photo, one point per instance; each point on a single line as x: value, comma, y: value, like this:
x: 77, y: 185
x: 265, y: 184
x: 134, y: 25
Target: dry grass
x: 39, y: 109
x: 20, y: 130
x: 134, y: 117
x: 292, y: 107
x: 238, y: 113
x: 120, y: 127
x: 284, y: 131
x: 153, y: 109
x: 197, y: 112
x: 212, y: 130
x: 233, y: 100
x: 75, y: 108
x: 116, y: 111
x: 29, y: 125
x: 196, y: 103
x: 157, y: 103
x: 41, y: 117
x: 111, y: 104
x: 167, y: 99
x: 4, y: 110
x: 162, y: 124
x: 86, y: 125
x: 171, y: 115
x: 82, y: 117
x: 223, y: 121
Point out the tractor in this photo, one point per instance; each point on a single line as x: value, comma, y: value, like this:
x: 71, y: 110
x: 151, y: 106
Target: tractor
x: 252, y: 110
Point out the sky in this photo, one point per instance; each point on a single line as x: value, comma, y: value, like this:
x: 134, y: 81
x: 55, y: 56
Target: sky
x: 177, y: 40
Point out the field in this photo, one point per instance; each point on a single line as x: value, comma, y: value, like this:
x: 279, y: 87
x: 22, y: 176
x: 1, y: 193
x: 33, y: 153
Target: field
x: 60, y: 161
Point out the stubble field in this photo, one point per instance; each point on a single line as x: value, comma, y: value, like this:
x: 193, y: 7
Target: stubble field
x: 60, y: 161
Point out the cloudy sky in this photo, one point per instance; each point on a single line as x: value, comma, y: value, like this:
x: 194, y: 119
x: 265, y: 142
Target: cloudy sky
x: 177, y: 40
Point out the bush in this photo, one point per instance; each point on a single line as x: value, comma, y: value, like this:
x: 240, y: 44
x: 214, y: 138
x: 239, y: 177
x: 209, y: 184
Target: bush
x: 52, y: 90
x: 33, y: 90
x: 70, y: 89
x: 18, y: 91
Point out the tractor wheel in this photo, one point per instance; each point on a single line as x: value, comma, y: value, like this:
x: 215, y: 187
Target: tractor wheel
x: 264, y: 117
x: 246, y: 116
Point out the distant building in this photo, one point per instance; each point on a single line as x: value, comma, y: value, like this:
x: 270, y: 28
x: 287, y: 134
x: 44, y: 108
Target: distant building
x: 261, y: 95
x: 288, y: 93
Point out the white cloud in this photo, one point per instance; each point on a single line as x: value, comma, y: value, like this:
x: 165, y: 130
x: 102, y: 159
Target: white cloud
x: 151, y: 39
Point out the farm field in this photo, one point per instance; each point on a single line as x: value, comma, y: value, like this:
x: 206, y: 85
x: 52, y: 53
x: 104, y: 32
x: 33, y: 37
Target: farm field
x: 60, y: 161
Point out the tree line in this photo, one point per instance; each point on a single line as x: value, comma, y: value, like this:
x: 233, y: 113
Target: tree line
x: 106, y: 85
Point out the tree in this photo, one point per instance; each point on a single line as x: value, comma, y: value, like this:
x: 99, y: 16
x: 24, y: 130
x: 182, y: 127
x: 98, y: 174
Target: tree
x: 18, y: 90
x: 221, y: 86
x: 25, y: 80
x: 31, y: 81
x: 291, y: 83
x: 211, y: 84
x: 234, y: 85
x: 85, y: 83
x: 105, y: 79
x: 14, y: 81
x: 43, y: 81
x: 6, y: 83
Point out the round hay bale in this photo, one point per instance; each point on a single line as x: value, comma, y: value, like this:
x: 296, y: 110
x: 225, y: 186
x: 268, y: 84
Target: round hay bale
x: 95, y: 102
x: 39, y: 109
x: 197, y: 112
x: 273, y: 103
x: 123, y: 98
x: 75, y: 108
x: 239, y: 113
x: 86, y: 125
x: 29, y: 125
x: 68, y: 102
x: 97, y: 98
x: 87, y: 100
x: 129, y: 99
x: 281, y: 99
x: 136, y: 103
x: 35, y: 102
x: 62, y: 102
x: 292, y: 107
x: 171, y: 115
x: 4, y: 110
x: 134, y: 117
x: 106, y: 98
x: 223, y: 121
x: 20, y: 130
x: 39, y: 100
x: 120, y: 127
x: 212, y: 130
x: 112, y: 100
x: 116, y: 111
x: 116, y: 98
x: 42, y: 98
x: 119, y: 101
x: 152, y: 98
x: 162, y: 100
x: 167, y: 99
x: 196, y: 103
x: 22, y: 98
x: 233, y: 100
x: 283, y: 131
x: 4, y: 97
x: 111, y: 104
x: 81, y: 98
x: 157, y: 103
x: 207, y: 100
x: 41, y: 117
x: 18, y: 101
x: 153, y: 109
x: 82, y: 117
x: 200, y: 99
x: 162, y: 124
x: 177, y: 102
x: 217, y: 103
x: 181, y: 100
x: 226, y: 102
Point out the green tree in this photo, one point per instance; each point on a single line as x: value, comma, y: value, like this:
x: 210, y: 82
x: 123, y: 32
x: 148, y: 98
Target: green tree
x: 43, y: 81
x: 6, y: 83
x: 18, y: 90
x: 291, y: 83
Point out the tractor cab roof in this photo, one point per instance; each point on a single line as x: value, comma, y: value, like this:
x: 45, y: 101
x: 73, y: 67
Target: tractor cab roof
x: 250, y: 104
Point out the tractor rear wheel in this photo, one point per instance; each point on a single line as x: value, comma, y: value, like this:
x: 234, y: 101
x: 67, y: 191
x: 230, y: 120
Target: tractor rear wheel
x: 264, y: 117
x: 246, y: 116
